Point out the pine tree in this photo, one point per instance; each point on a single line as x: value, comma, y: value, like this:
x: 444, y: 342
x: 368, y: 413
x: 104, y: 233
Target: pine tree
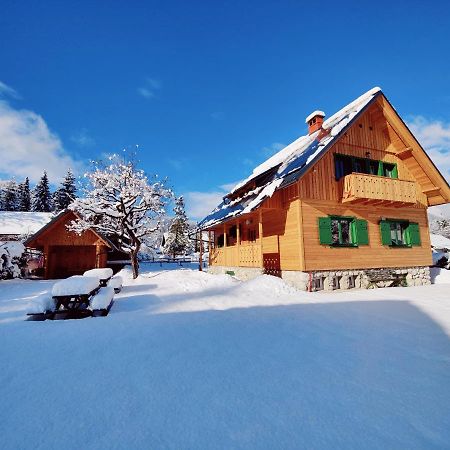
x: 10, y: 196
x: 24, y: 199
x: 66, y: 193
x: 42, y: 199
x: 178, y: 242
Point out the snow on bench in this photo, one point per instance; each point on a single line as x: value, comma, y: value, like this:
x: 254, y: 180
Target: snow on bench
x: 116, y: 283
x: 41, y: 304
x: 75, y: 285
x: 102, y: 299
x: 102, y: 274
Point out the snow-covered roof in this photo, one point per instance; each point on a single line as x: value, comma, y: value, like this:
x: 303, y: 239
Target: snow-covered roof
x: 288, y: 165
x: 22, y: 223
x: 439, y: 242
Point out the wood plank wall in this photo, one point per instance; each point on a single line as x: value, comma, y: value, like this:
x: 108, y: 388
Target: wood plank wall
x: 374, y: 255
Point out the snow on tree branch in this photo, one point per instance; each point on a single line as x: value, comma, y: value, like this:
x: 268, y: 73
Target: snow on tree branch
x: 120, y: 202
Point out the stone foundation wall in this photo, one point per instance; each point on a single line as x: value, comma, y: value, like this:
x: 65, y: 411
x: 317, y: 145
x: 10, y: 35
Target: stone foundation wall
x: 365, y: 278
x: 243, y: 273
x: 340, y: 279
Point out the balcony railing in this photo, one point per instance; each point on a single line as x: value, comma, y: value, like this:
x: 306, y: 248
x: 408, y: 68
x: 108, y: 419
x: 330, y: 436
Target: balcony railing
x: 371, y: 189
x: 244, y: 255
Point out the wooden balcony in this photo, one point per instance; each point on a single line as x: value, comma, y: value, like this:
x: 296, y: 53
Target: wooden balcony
x: 375, y: 190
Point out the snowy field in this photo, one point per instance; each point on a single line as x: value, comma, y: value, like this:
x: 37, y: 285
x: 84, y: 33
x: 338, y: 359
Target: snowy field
x: 191, y: 360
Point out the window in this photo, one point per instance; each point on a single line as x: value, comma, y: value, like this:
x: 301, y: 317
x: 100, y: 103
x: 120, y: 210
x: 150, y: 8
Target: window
x: 220, y: 240
x: 372, y: 167
x: 399, y: 233
x: 336, y: 282
x: 359, y: 165
x: 390, y: 170
x: 351, y: 281
x: 317, y: 284
x: 346, y: 164
x: 343, y: 231
x: 342, y: 165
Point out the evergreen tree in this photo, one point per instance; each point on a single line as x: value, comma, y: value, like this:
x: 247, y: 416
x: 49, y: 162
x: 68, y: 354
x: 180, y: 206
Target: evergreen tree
x: 10, y: 196
x: 66, y: 193
x: 24, y: 199
x: 42, y: 199
x: 178, y: 242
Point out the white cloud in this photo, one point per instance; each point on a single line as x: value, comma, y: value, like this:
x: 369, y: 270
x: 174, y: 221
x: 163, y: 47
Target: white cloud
x: 28, y: 147
x: 82, y: 138
x: 200, y: 204
x: 8, y: 91
x: 434, y: 136
x: 150, y: 87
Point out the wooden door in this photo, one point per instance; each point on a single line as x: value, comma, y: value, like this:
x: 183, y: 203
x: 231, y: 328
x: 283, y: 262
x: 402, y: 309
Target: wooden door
x: 67, y: 260
x: 271, y: 264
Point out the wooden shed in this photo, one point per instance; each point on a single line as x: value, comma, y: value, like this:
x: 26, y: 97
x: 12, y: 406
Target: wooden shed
x: 67, y: 253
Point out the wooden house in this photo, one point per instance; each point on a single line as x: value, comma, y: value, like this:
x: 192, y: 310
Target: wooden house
x: 343, y: 206
x: 67, y: 253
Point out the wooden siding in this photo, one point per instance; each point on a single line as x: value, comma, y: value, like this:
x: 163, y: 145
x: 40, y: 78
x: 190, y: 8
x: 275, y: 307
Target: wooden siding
x: 374, y: 255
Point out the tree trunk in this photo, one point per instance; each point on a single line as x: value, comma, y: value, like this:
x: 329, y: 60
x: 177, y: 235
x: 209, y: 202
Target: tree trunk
x: 134, y: 260
x: 134, y: 264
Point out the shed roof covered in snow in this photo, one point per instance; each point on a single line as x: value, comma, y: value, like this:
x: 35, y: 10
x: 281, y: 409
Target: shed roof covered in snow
x: 18, y: 223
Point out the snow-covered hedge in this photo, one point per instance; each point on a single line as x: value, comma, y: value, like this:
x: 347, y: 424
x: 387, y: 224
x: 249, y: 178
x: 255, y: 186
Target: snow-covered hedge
x: 12, y: 260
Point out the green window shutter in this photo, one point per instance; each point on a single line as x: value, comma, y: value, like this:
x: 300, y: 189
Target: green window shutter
x: 380, y: 168
x: 395, y: 171
x: 385, y: 231
x: 362, y: 233
x: 414, y: 234
x: 325, y: 230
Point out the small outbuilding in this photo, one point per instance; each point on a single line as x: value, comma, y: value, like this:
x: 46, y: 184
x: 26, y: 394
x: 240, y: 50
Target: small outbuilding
x: 66, y: 253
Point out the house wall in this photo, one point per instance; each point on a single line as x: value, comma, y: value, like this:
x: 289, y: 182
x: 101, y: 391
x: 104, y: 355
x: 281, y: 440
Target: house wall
x: 289, y: 220
x: 374, y: 255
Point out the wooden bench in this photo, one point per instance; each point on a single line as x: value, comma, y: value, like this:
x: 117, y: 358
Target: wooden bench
x: 394, y: 278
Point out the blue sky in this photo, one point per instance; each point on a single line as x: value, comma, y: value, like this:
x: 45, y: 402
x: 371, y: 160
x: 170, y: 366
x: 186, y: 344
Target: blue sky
x: 207, y: 89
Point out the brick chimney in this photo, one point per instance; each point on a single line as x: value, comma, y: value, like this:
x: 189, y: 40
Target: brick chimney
x: 315, y: 121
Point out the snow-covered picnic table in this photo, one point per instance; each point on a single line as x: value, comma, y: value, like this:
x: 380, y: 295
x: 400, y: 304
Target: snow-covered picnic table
x: 74, y: 293
x: 103, y: 274
x: 78, y: 296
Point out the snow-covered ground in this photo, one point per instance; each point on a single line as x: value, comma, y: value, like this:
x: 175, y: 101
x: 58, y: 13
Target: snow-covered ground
x: 191, y: 360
